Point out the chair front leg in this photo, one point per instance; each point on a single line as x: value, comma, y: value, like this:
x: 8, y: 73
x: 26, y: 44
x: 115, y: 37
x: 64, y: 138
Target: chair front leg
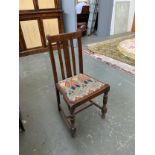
x: 72, y: 121
x: 104, y: 108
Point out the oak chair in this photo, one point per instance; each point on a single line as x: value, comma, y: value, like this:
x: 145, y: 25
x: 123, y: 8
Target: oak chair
x: 76, y: 88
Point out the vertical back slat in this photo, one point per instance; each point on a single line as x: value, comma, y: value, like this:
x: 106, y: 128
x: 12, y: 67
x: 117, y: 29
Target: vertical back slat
x: 67, y: 58
x: 60, y: 59
x: 73, y: 56
x: 80, y: 55
x: 61, y: 41
x: 53, y: 63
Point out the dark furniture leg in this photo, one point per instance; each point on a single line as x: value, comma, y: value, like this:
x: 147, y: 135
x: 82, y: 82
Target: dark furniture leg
x: 104, y: 108
x: 72, y: 121
x: 58, y: 99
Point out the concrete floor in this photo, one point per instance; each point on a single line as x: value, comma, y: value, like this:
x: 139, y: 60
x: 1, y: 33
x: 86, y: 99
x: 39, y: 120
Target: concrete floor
x: 46, y: 133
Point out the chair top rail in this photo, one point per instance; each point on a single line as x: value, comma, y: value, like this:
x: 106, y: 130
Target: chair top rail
x: 63, y: 36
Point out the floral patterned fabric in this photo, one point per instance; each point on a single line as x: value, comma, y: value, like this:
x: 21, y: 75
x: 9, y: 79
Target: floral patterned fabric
x: 79, y: 86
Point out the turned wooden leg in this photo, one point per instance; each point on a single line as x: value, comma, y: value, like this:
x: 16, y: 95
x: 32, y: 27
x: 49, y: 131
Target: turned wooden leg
x: 104, y: 108
x: 58, y: 100
x: 72, y: 121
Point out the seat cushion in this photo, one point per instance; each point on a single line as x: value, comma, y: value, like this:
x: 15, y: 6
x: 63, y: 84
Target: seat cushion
x: 79, y: 86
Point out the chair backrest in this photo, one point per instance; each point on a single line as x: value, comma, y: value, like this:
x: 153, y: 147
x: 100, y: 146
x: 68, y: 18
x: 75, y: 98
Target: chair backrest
x: 64, y: 43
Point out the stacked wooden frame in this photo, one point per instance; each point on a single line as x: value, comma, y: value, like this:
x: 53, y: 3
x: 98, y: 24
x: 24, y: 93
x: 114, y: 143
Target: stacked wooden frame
x: 38, y: 18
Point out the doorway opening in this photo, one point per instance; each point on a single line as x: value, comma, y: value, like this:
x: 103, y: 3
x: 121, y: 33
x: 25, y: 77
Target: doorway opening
x: 87, y: 16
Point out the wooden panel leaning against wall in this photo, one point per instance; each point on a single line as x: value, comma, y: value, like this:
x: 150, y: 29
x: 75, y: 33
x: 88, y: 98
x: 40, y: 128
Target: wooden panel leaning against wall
x: 31, y: 33
x: 38, y: 18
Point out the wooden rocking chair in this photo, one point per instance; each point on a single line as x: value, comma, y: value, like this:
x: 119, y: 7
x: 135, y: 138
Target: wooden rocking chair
x: 76, y: 88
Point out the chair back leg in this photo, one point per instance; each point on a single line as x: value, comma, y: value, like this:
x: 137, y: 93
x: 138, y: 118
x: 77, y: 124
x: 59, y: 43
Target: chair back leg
x: 58, y: 99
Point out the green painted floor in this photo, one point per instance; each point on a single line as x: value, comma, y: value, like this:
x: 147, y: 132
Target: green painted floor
x: 46, y: 133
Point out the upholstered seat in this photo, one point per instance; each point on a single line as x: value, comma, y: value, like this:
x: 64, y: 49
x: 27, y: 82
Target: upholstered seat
x: 79, y: 86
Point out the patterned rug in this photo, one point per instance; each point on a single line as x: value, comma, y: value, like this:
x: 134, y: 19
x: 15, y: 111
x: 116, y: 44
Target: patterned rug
x: 118, y: 52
